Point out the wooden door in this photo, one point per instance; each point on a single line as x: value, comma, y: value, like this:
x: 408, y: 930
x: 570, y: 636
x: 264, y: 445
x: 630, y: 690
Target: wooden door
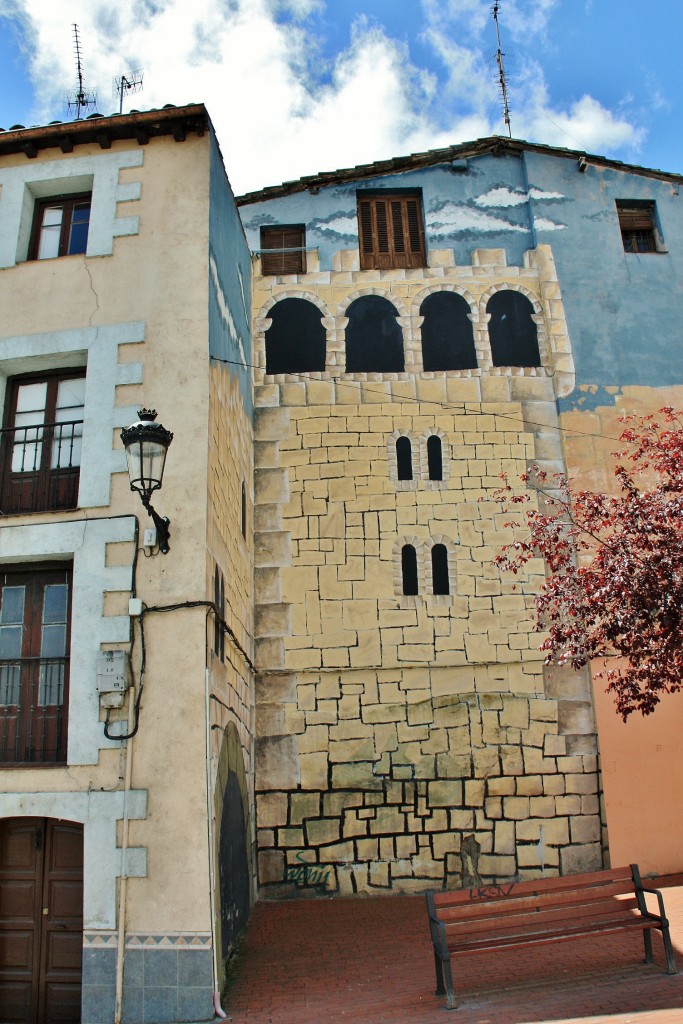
x: 41, y: 921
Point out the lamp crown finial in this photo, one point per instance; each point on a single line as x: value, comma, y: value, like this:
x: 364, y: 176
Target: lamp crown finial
x: 147, y: 415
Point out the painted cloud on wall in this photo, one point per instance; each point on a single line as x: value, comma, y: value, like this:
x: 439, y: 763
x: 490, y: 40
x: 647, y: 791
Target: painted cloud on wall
x: 512, y: 197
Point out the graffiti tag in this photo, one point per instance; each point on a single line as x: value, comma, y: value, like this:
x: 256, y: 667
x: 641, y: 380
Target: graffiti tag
x: 487, y: 892
x: 306, y: 874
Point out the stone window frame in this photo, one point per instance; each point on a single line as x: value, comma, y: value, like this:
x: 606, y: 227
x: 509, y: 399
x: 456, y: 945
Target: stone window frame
x: 408, y: 600
x: 546, y: 368
x: 261, y: 324
x: 483, y: 351
x: 449, y: 544
x: 403, y: 485
x: 403, y: 320
x: 435, y: 485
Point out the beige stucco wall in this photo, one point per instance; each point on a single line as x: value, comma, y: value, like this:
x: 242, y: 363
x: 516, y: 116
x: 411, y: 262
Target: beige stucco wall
x: 640, y: 759
x: 407, y: 742
x: 157, y: 277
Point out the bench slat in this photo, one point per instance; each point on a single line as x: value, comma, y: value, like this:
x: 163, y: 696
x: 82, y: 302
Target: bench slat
x: 480, y: 908
x: 550, y: 935
x: 458, y: 933
x: 621, y: 879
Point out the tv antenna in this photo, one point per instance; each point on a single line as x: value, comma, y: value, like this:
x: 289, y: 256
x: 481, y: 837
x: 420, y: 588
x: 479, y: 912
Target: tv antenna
x: 81, y: 99
x: 501, y: 70
x: 126, y: 84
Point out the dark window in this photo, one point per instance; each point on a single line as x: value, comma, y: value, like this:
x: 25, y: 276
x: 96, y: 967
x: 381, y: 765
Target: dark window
x: 434, y: 457
x: 289, y: 244
x: 244, y: 511
x: 41, y: 443
x: 440, y: 569
x: 637, y: 224
x: 34, y: 664
x: 409, y: 569
x: 374, y: 340
x: 60, y: 227
x: 447, y: 334
x: 296, y: 339
x: 219, y: 616
x: 404, y: 458
x: 391, y: 231
x: 512, y: 332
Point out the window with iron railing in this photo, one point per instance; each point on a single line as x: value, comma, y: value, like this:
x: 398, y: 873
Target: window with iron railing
x: 41, y: 443
x: 34, y: 664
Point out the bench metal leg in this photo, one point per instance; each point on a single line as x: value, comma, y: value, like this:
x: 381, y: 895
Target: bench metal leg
x: 669, y: 950
x: 451, y: 999
x: 440, y: 989
x: 647, y: 941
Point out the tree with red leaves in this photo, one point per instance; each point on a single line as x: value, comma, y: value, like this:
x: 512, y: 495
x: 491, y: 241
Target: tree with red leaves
x: 614, y: 565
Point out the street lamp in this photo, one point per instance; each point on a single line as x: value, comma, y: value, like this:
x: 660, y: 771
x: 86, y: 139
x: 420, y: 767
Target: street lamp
x: 146, y: 444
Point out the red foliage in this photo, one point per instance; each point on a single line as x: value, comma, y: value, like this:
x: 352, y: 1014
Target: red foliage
x: 614, y: 565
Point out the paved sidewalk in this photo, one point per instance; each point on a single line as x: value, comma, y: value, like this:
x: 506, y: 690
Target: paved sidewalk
x: 369, y: 961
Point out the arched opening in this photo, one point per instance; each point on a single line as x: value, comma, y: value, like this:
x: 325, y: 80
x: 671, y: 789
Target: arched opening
x: 434, y: 457
x: 440, y: 581
x: 447, y: 334
x: 409, y: 569
x: 296, y: 338
x: 512, y: 332
x: 374, y: 341
x: 404, y: 458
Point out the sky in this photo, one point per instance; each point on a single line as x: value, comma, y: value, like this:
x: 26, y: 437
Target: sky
x: 294, y: 87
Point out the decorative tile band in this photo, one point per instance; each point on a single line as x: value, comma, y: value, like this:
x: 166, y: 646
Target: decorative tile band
x: 134, y: 940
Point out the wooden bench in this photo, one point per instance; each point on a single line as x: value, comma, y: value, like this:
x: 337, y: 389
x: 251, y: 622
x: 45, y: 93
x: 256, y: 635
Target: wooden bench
x: 545, y: 910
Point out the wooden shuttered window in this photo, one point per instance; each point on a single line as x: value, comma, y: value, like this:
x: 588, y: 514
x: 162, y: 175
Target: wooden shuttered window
x: 391, y: 232
x: 637, y: 224
x: 289, y: 244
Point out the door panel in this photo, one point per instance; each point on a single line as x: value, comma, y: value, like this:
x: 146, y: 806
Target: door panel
x: 41, y: 921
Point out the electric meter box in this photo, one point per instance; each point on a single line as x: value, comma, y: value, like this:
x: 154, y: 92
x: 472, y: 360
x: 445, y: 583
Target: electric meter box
x: 113, y: 672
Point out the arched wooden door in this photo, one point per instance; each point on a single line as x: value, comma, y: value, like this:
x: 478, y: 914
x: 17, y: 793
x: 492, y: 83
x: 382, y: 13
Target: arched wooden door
x: 41, y: 921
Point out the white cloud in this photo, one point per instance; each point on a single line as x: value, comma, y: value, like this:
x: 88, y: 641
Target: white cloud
x: 543, y: 224
x: 279, y: 111
x: 453, y: 218
x: 501, y: 197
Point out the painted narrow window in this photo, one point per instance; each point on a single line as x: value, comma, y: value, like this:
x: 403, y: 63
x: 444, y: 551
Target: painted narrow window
x: 296, y: 339
x: 217, y: 603
x: 512, y: 331
x: 447, y: 333
x: 409, y: 569
x: 440, y: 580
x: 222, y: 608
x: 404, y: 458
x: 434, y: 457
x: 374, y: 340
x: 244, y: 511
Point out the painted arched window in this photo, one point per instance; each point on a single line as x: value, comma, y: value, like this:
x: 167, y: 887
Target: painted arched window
x: 447, y: 335
x: 374, y: 341
x: 295, y: 340
x: 434, y: 457
x: 512, y: 332
x: 404, y: 458
x: 409, y: 569
x: 440, y: 583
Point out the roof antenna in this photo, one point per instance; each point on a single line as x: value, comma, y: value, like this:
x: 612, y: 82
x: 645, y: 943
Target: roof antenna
x: 80, y: 100
x: 125, y: 84
x: 501, y: 70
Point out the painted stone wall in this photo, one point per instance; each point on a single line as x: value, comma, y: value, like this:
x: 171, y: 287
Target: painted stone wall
x: 406, y: 742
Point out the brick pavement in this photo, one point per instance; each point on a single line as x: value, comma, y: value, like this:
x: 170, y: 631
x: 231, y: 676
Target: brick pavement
x: 369, y: 961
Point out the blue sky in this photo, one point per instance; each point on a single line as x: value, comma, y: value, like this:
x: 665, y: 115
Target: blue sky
x: 298, y: 86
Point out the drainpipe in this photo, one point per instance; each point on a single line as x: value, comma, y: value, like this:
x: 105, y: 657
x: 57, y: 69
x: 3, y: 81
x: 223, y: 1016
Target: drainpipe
x: 219, y: 1011
x: 123, y: 885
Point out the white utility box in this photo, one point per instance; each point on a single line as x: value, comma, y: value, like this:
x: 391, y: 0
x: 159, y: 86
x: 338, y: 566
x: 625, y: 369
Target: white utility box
x: 113, y: 671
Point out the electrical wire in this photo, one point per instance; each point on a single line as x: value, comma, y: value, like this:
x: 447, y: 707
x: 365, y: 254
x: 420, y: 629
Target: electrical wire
x: 403, y: 400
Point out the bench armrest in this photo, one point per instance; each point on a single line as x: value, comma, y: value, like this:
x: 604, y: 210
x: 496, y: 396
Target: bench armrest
x: 660, y: 901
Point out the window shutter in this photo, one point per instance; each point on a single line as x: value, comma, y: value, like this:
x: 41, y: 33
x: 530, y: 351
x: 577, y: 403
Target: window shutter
x: 283, y: 237
x: 391, y: 232
x: 635, y: 218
